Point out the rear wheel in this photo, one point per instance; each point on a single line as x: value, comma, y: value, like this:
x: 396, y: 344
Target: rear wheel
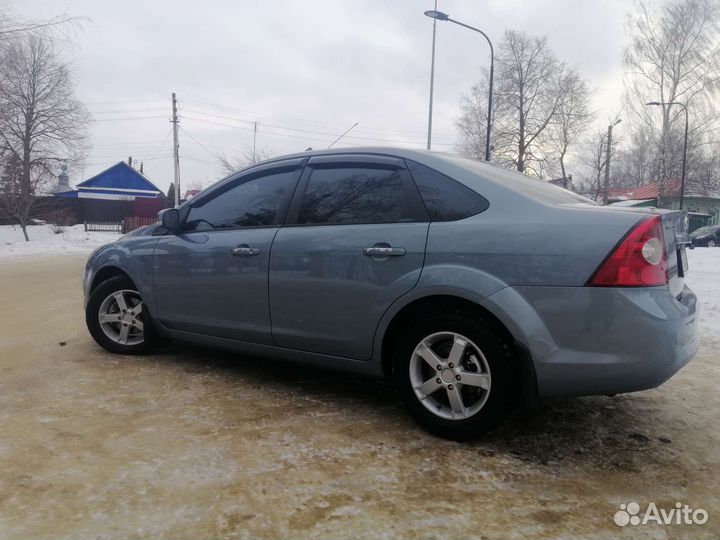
x: 117, y: 319
x: 454, y: 372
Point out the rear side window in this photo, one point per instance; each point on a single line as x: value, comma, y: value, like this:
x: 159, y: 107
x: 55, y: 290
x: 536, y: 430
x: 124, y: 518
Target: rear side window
x: 445, y: 198
x: 346, y: 195
x: 252, y: 203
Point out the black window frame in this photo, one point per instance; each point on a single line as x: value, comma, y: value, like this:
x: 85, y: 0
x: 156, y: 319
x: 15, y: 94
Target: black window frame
x: 413, y: 211
x: 242, y: 177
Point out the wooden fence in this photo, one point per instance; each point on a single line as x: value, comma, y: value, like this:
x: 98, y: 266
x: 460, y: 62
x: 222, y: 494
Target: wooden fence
x: 131, y: 223
x: 103, y: 226
x: 123, y: 226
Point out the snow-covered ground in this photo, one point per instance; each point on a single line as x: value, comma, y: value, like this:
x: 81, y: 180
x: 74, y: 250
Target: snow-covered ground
x: 704, y: 278
x: 44, y: 241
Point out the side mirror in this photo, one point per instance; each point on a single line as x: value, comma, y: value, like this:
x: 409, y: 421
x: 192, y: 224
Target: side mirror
x: 170, y: 219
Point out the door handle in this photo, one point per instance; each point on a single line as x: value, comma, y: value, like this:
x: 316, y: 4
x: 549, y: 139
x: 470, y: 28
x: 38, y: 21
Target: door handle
x: 383, y: 251
x: 245, y: 251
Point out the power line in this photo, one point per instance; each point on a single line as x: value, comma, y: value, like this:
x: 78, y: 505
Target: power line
x: 162, y: 143
x: 299, y: 130
x: 128, y: 118
x: 213, y: 154
x: 305, y: 120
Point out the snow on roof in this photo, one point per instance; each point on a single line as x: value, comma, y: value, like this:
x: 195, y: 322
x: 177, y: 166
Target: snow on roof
x: 630, y: 202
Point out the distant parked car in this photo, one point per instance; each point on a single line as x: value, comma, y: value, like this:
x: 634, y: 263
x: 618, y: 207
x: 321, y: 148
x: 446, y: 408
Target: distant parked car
x: 471, y: 286
x: 708, y: 236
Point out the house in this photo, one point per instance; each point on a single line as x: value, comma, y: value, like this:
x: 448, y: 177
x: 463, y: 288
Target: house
x: 121, y: 182
x: 566, y: 183
x: 701, y: 203
x: 117, y: 193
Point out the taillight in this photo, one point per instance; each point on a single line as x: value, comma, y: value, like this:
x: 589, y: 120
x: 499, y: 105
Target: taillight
x: 639, y: 261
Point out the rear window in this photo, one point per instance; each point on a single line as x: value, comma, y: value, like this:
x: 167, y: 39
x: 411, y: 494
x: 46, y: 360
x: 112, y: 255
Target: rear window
x: 540, y: 190
x: 445, y: 199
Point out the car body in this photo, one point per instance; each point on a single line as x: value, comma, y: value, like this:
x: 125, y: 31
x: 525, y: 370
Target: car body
x: 350, y: 250
x: 708, y: 236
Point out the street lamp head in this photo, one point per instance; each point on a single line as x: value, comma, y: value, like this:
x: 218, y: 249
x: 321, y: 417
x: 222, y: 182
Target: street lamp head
x: 439, y: 15
x: 653, y: 103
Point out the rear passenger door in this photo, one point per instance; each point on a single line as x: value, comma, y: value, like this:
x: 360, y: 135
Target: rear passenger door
x: 353, y: 243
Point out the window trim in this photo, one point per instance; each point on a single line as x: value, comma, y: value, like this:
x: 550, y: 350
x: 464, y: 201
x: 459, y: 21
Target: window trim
x: 415, y: 211
x: 242, y: 177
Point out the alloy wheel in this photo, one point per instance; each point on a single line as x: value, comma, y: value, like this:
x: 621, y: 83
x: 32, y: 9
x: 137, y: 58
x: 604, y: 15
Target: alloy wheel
x: 450, y: 375
x: 121, y: 317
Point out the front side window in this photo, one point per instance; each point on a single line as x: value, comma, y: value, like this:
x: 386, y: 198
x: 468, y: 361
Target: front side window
x: 253, y: 203
x: 346, y: 195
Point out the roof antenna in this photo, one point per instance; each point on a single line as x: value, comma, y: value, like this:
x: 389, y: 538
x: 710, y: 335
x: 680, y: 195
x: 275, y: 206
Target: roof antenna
x: 341, y: 136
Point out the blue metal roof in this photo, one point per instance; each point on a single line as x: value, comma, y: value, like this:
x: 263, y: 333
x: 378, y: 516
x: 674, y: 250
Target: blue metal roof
x: 120, y: 176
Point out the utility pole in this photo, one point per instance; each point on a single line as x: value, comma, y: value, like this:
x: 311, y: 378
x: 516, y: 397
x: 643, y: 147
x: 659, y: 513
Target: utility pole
x: 176, y: 150
x: 607, y: 159
x: 254, y: 160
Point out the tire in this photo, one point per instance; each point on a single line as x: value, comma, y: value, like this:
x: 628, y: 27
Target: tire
x: 711, y: 243
x: 132, y: 333
x: 487, y: 360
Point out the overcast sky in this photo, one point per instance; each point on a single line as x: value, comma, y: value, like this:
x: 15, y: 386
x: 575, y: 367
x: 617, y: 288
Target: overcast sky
x: 305, y: 71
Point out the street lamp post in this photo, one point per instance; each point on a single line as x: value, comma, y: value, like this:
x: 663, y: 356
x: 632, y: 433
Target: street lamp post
x: 432, y: 83
x: 684, y: 162
x: 440, y: 16
x: 607, y: 159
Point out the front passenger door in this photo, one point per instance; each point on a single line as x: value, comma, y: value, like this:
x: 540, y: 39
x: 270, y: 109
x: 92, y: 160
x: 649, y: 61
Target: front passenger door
x: 212, y: 277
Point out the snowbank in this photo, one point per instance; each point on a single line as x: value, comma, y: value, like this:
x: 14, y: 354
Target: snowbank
x: 704, y: 278
x: 44, y: 241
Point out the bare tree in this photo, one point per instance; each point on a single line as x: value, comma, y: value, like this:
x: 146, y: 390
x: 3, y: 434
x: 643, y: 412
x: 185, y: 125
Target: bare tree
x: 41, y: 123
x: 572, y: 116
x: 473, y: 119
x: 246, y: 157
x: 594, y: 158
x: 528, y: 94
x: 13, y: 27
x: 674, y: 55
x: 636, y: 163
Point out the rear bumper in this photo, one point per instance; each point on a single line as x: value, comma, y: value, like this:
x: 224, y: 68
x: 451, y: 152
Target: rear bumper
x: 587, y: 340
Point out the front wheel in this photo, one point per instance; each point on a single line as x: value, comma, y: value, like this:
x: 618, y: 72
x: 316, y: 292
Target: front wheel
x: 117, y: 318
x: 455, y: 374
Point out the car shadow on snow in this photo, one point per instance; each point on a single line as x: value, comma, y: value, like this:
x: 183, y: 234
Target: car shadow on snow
x: 623, y: 432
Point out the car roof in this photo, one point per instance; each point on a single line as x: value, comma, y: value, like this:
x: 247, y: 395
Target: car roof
x: 465, y: 170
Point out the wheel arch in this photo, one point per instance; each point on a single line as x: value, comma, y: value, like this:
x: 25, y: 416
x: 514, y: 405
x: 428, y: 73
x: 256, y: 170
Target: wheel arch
x: 527, y: 378
x: 426, y: 304
x: 105, y: 273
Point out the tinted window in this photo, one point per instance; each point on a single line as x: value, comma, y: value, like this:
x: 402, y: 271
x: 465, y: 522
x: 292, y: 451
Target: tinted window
x: 444, y: 198
x: 252, y: 203
x: 352, y: 195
